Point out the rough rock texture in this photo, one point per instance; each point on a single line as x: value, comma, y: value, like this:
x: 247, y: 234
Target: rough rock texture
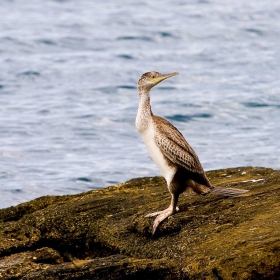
x: 103, y: 234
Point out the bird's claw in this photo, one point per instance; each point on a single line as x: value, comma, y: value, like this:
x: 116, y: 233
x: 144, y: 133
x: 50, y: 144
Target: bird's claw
x: 161, y: 215
x: 160, y: 212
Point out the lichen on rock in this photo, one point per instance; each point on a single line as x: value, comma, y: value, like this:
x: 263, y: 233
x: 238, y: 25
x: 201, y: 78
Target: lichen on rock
x: 103, y: 234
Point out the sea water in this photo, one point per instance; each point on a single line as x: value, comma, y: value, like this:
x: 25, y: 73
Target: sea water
x: 68, y: 95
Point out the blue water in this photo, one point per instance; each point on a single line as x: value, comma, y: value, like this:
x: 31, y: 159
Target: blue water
x: 68, y: 74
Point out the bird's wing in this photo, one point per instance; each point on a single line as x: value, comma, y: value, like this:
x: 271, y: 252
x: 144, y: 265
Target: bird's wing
x: 175, y: 147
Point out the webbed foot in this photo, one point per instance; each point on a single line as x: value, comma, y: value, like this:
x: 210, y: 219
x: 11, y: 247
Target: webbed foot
x: 161, y: 215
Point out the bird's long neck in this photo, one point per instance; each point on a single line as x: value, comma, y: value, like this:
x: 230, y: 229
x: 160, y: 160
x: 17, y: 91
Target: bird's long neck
x: 144, y: 114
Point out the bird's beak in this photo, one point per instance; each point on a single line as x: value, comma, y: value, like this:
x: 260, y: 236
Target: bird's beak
x: 163, y: 77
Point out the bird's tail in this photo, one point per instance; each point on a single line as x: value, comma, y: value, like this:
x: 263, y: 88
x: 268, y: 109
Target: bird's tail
x: 228, y: 191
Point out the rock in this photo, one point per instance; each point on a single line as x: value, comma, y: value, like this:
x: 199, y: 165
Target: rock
x: 103, y: 234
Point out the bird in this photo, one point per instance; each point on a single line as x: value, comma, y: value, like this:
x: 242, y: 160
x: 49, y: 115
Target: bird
x: 175, y: 158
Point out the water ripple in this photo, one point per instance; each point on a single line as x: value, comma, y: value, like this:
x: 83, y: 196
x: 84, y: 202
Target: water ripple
x: 127, y: 87
x: 254, y: 31
x: 165, y: 34
x: 187, y: 118
x: 125, y: 56
x: 132, y: 38
x: 255, y: 104
x: 29, y: 73
x: 47, y: 42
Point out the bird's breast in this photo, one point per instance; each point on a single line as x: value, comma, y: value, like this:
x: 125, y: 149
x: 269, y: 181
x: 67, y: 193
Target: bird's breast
x: 167, y: 169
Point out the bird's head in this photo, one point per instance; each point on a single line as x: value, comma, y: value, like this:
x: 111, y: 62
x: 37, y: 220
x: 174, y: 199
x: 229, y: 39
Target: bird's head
x: 150, y: 79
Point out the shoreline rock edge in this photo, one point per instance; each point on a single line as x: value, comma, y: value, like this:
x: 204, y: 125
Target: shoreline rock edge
x: 102, y: 234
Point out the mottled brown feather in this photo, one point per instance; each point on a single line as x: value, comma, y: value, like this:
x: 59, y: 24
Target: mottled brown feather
x: 174, y: 146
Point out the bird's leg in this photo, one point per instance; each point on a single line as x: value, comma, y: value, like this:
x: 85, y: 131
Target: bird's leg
x: 162, y: 215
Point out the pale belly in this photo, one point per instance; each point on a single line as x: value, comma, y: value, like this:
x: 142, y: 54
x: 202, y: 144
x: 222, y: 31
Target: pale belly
x: 168, y: 171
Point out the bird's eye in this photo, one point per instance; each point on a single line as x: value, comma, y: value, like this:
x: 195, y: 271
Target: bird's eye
x: 153, y: 77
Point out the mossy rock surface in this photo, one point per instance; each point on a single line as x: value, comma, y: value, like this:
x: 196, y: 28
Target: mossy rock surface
x: 103, y: 234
